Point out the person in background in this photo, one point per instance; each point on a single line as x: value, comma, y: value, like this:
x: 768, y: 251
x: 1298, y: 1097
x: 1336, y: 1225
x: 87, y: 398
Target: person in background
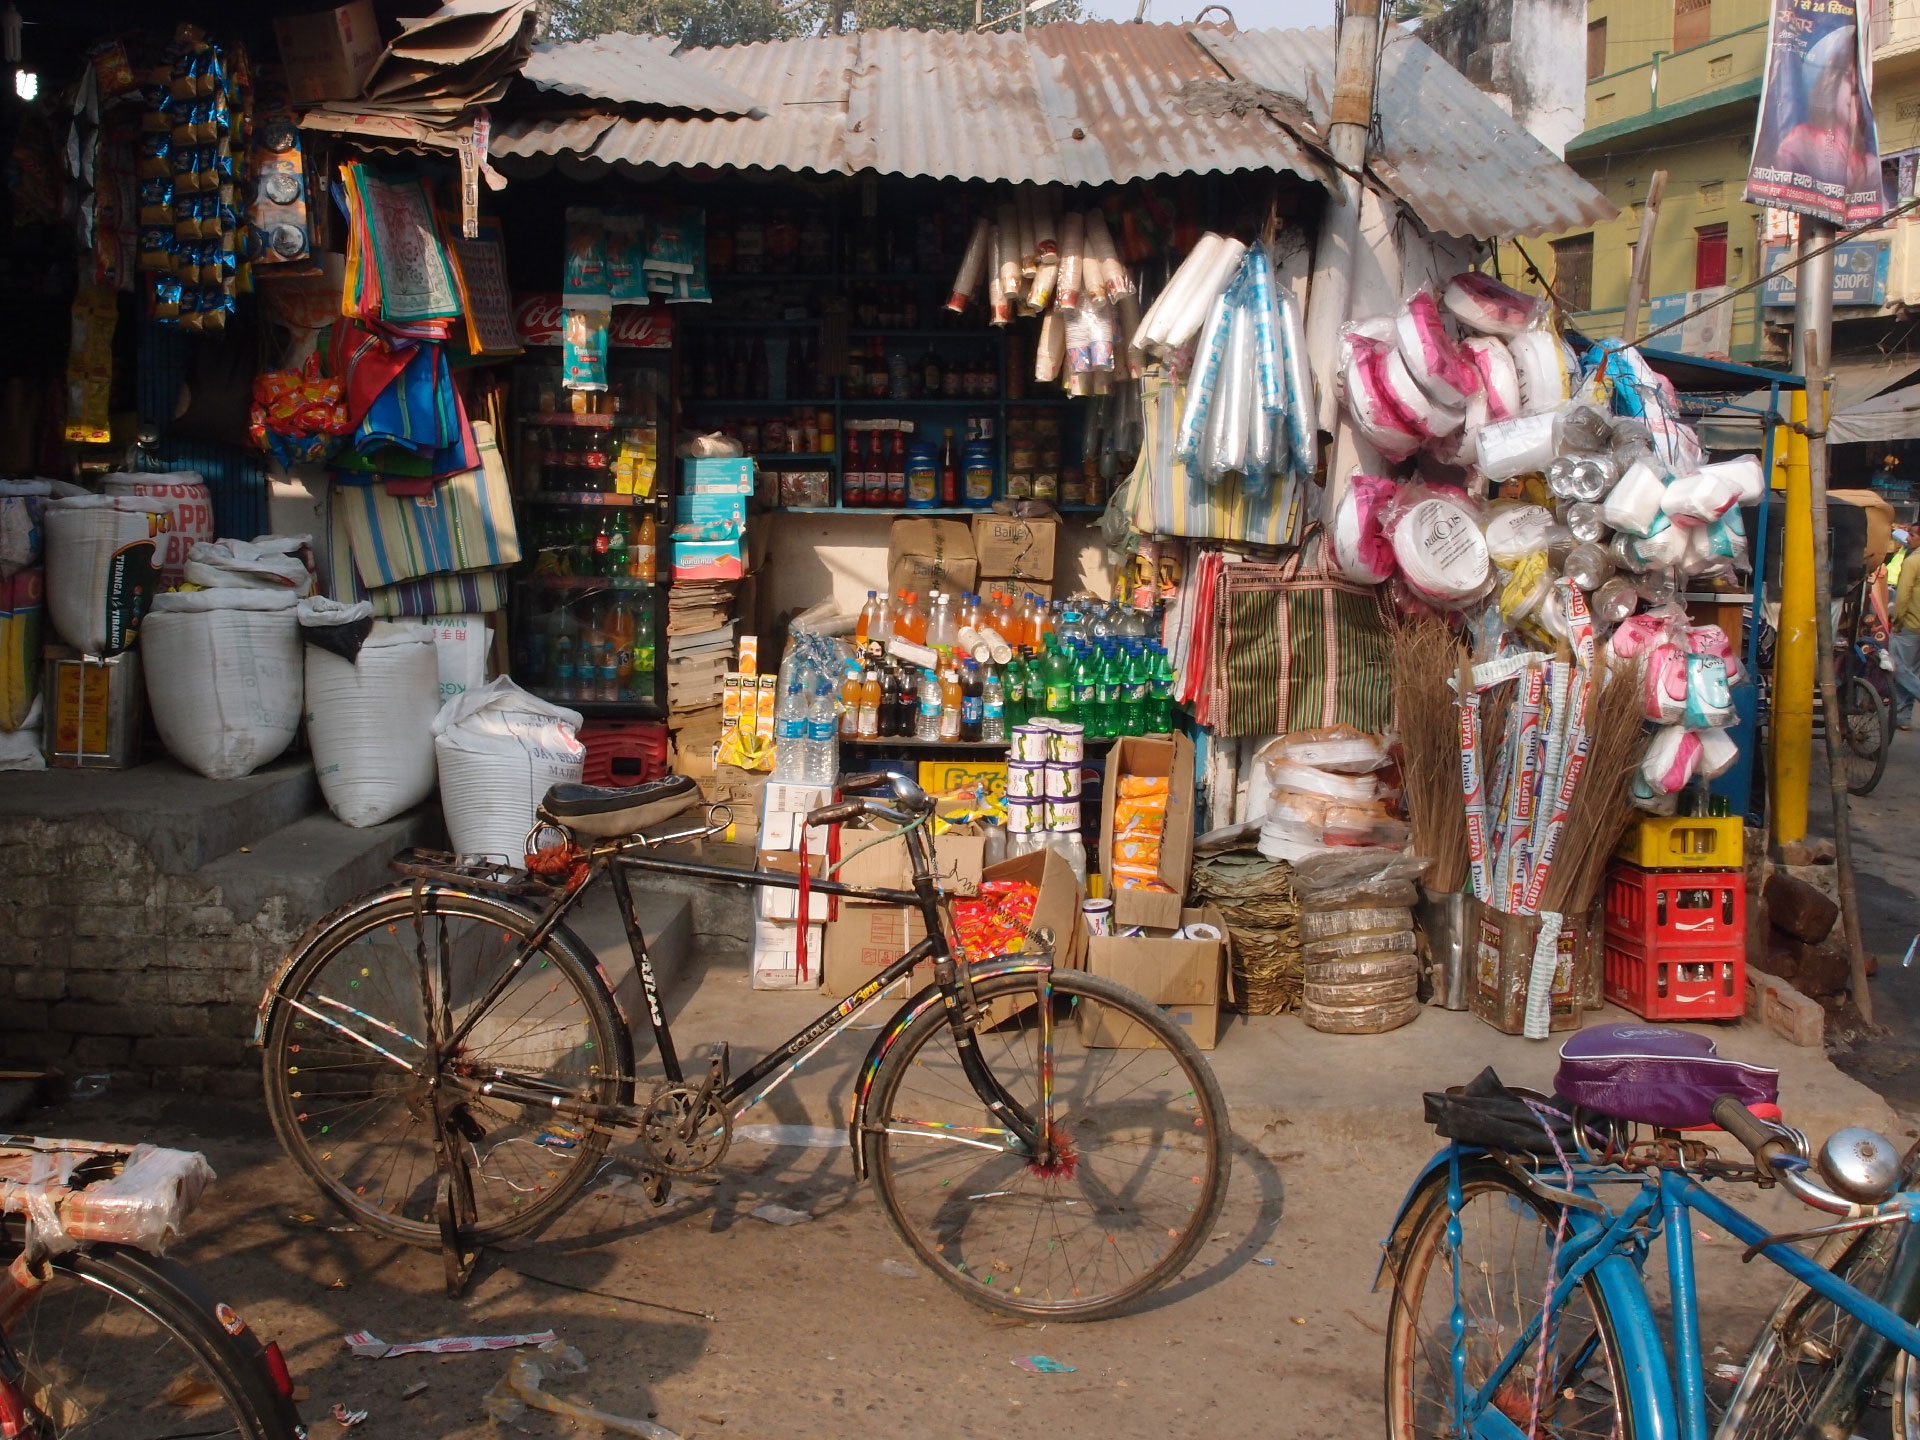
x: 1903, y: 572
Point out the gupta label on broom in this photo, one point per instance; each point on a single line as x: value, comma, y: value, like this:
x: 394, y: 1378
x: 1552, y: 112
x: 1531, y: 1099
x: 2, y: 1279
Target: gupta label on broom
x: 1816, y: 150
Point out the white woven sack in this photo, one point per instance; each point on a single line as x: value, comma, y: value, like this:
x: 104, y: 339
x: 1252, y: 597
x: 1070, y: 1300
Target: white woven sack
x: 184, y: 492
x: 102, y: 567
x: 370, y: 723
x: 500, y: 751
x: 223, y: 677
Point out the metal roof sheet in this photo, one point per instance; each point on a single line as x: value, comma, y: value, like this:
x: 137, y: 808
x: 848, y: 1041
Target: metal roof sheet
x: 1086, y: 104
x: 635, y: 70
x: 1456, y: 158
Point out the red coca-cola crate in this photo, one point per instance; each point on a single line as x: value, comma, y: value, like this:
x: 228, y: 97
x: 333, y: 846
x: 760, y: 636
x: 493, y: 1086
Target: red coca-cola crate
x: 1677, y: 982
x: 624, y: 752
x: 1659, y: 909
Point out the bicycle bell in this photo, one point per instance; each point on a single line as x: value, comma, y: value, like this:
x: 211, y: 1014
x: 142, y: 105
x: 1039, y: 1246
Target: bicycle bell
x: 1860, y: 1165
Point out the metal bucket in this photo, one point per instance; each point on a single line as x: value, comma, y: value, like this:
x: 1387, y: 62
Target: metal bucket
x: 1442, y: 919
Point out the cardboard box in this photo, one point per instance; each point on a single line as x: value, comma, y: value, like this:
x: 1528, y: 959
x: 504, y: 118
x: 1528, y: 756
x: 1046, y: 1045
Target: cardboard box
x: 717, y: 477
x: 329, y: 54
x: 709, y: 559
x: 958, y: 856
x: 1502, y: 961
x: 706, y: 510
x: 926, y: 554
x: 743, y: 792
x: 777, y: 963
x: 1005, y: 545
x: 1171, y: 756
x: 864, y: 940
x: 1186, y: 978
x: 1058, y: 910
x: 779, y: 904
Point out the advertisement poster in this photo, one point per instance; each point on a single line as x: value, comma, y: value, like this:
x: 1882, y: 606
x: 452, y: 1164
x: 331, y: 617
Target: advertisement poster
x: 1815, y: 150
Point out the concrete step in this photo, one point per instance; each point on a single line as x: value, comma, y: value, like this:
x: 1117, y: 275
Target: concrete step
x: 182, y: 819
x: 316, y: 864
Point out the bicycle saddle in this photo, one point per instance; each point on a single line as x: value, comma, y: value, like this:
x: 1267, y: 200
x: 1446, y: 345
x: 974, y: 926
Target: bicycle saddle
x: 1657, y: 1075
x: 606, y: 812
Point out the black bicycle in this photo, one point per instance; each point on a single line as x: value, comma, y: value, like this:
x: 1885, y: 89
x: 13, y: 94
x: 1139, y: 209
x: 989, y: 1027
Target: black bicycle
x: 448, y: 1062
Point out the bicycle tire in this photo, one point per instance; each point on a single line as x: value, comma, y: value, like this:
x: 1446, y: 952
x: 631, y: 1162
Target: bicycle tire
x: 234, y: 1361
x: 1870, y: 740
x: 1076, y: 993
x: 1414, y: 1262
x: 1801, y: 1342
x: 409, y: 1216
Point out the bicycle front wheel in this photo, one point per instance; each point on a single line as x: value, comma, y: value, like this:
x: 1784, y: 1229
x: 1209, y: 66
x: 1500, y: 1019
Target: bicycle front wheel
x: 121, y: 1343
x: 1867, y: 729
x: 1133, y: 1191
x: 351, y: 1080
x: 1577, y: 1384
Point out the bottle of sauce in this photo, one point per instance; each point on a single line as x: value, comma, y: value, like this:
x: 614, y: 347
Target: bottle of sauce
x: 949, y: 471
x: 897, y: 470
x: 932, y: 372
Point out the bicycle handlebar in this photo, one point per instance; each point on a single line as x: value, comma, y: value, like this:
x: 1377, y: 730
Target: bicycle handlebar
x: 1774, y: 1151
x: 853, y: 784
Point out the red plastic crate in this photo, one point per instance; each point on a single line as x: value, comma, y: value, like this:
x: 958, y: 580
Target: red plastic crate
x: 624, y: 752
x: 1680, y: 982
x: 1657, y: 910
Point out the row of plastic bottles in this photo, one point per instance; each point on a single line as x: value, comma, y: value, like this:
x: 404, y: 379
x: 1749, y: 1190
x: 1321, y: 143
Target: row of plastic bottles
x: 1113, y: 686
x: 806, y: 716
x: 605, y: 654
x: 992, y: 626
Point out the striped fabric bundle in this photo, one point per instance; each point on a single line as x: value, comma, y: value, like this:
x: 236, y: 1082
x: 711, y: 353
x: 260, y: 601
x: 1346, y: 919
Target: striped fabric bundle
x: 1295, y: 646
x: 1162, y: 499
x: 464, y: 523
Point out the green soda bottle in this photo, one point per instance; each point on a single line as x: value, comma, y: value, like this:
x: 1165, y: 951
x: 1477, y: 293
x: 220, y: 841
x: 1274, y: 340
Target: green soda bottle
x: 1013, y: 678
x: 1160, y: 706
x: 1059, y: 683
x: 1112, y: 690
x: 1086, y: 686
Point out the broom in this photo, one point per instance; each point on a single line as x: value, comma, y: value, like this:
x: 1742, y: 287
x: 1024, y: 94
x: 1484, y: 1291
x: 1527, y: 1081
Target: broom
x: 1425, y: 657
x: 1602, y: 803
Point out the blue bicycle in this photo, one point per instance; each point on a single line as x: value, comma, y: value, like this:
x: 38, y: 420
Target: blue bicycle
x: 1519, y: 1308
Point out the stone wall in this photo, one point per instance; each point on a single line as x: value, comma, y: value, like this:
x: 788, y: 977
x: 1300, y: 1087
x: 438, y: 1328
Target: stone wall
x: 108, y: 963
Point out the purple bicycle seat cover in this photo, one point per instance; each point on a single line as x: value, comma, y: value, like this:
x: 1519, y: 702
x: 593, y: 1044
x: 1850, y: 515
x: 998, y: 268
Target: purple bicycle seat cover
x: 1656, y: 1075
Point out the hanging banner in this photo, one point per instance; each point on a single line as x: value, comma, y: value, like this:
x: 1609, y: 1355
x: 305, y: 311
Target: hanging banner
x: 1815, y: 150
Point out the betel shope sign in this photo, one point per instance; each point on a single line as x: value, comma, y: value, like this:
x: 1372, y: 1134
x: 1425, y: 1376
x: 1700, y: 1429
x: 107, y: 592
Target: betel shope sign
x: 538, y: 320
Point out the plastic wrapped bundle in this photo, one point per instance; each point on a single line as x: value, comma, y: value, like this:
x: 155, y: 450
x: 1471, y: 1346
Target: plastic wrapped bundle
x: 1744, y: 473
x: 1303, y: 436
x: 1709, y: 697
x: 1664, y: 678
x: 1540, y: 367
x: 1515, y: 531
x: 1371, y: 402
x: 1339, y: 748
x: 1718, y: 751
x: 1441, y: 550
x: 1178, y: 322
x: 1487, y: 307
x: 1705, y: 495
x: 1635, y: 504
x: 1516, y: 447
x: 1664, y: 545
x: 1673, y: 756
x: 1073, y: 243
x: 1202, y: 382
x: 973, y: 265
x: 1360, y: 548
x: 1102, y: 276
x: 1499, y: 381
x: 1430, y: 355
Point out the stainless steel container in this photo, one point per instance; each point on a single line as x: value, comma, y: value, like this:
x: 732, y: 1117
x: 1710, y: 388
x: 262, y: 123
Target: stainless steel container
x: 1442, y: 921
x: 93, y: 707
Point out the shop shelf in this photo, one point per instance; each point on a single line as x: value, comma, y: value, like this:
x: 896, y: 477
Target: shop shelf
x: 816, y: 402
x: 1047, y: 402
x: 590, y: 582
x: 885, y: 742
x: 962, y: 334
x: 585, y: 497
x: 933, y: 510
x: 571, y: 421
x: 805, y: 323
x: 940, y: 404
x: 817, y: 457
x: 628, y: 709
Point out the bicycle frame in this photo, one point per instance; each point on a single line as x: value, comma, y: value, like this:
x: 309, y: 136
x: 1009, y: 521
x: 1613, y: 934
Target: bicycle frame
x: 1611, y: 1247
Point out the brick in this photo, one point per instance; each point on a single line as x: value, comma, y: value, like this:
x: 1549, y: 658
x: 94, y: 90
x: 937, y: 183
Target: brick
x: 41, y: 1049
x: 1799, y: 909
x: 107, y: 987
x: 28, y: 890
x: 105, y: 1051
x: 39, y: 985
x: 47, y: 921
x: 116, y: 921
x: 205, y: 987
x: 189, y: 921
x: 167, y: 1051
x: 141, y: 953
x: 78, y: 1018
x: 232, y: 1019
x: 1785, y: 1011
x: 23, y: 1015
x: 211, y: 955
x: 115, y: 887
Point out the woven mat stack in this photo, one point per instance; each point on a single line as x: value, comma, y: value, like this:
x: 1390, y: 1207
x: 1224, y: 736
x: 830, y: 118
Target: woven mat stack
x: 1255, y: 895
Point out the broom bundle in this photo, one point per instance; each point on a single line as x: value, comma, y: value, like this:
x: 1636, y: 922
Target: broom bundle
x: 1425, y: 656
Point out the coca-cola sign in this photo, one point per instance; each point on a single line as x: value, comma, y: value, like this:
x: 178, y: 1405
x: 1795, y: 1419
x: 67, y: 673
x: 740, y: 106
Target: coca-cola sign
x: 538, y: 318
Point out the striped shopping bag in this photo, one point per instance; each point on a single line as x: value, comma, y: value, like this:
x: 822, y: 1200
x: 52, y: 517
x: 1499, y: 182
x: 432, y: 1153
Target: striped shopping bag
x: 466, y: 592
x: 464, y: 522
x: 1296, y: 646
x: 1160, y: 498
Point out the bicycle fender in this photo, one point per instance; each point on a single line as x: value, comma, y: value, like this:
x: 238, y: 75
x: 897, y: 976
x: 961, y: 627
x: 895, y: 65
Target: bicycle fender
x: 562, y: 937
x: 905, y: 1016
x: 1403, y: 1217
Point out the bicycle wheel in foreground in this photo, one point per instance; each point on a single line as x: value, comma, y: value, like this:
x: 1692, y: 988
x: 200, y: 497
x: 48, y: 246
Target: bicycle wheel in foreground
x: 1506, y: 1242
x: 1867, y: 729
x: 347, y: 1066
x: 1135, y: 1192
x: 120, y: 1344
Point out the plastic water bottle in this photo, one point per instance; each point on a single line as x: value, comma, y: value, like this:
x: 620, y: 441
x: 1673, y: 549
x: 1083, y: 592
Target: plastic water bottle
x: 1068, y: 845
x: 993, y: 708
x: 790, y: 737
x: 927, y: 722
x: 823, y: 738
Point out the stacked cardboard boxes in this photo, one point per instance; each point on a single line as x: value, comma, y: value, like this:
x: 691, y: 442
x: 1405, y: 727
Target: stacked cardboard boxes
x: 787, y: 952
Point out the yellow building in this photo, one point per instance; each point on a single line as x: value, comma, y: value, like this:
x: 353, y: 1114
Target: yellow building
x: 1674, y: 85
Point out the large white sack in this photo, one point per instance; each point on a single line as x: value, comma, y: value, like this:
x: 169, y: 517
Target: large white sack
x: 500, y: 751
x: 103, y: 567
x: 187, y: 495
x: 223, y: 672
x: 463, y: 643
x: 370, y: 723
x: 271, y: 562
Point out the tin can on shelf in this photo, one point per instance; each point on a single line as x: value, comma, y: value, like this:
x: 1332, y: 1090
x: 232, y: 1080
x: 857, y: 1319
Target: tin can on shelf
x: 1063, y: 781
x: 1025, y: 817
x: 1063, y: 815
x: 1067, y: 745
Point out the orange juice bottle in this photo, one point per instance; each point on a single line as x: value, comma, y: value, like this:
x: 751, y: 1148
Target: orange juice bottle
x: 863, y: 627
x: 870, y: 705
x: 911, y: 622
x: 850, y: 689
x: 950, y: 702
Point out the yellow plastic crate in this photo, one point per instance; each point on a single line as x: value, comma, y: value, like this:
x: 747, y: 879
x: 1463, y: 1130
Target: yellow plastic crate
x: 1685, y: 842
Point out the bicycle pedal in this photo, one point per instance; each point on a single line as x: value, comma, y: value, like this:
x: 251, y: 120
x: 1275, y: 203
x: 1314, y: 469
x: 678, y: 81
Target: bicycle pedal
x: 657, y: 1188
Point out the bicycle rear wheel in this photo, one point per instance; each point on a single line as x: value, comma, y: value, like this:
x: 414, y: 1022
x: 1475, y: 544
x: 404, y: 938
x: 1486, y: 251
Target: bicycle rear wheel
x: 351, y: 1085
x: 123, y: 1344
x: 1135, y: 1192
x: 1579, y: 1382
x: 1867, y: 730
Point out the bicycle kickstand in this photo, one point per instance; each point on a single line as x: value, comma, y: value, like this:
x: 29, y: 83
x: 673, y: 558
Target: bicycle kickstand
x: 453, y: 1206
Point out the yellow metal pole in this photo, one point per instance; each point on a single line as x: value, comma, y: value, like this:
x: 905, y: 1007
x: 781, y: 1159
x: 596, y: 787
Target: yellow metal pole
x: 1794, y: 649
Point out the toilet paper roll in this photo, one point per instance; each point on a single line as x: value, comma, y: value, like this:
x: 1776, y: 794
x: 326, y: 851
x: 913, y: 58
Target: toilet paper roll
x: 1516, y: 447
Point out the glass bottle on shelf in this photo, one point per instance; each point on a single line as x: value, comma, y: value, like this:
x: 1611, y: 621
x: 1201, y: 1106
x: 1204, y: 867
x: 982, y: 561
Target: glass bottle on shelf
x: 642, y: 540
x: 623, y: 626
x: 932, y: 372
x: 565, y: 643
x: 618, y: 560
x: 643, y: 649
x: 949, y: 470
x: 856, y: 376
x: 876, y: 369
x: 897, y: 470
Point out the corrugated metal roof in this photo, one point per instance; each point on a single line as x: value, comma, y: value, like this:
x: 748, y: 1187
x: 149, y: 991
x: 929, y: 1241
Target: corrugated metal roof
x: 1085, y: 104
x: 1458, y: 160
x: 635, y: 70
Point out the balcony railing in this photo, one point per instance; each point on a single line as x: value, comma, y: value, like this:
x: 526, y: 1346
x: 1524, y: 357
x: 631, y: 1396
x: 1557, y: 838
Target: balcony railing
x: 1673, y: 79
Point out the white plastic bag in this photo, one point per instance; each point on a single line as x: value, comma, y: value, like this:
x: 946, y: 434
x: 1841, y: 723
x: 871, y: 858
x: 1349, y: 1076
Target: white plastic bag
x: 500, y: 750
x: 270, y: 563
x: 102, y: 567
x: 370, y: 723
x: 223, y: 677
